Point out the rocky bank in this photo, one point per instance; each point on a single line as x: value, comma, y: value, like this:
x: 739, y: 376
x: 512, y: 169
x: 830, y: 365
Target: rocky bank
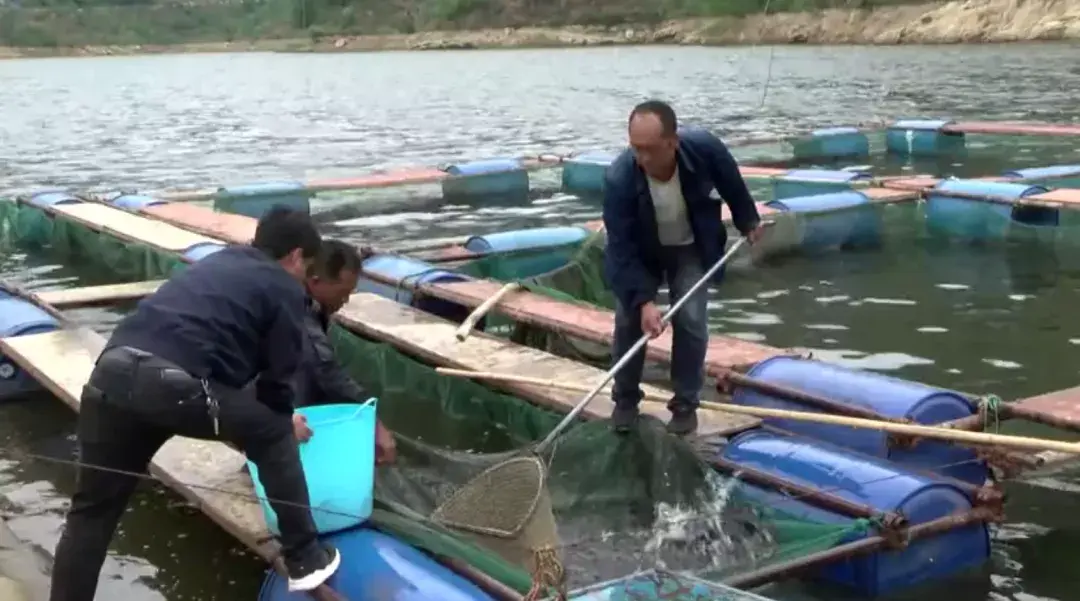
x: 969, y: 21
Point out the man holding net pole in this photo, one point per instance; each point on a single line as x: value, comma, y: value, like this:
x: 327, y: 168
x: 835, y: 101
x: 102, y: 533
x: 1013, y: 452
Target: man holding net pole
x: 663, y: 226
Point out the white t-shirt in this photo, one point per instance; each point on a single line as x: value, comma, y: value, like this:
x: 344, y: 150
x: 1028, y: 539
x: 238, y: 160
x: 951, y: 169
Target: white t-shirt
x: 672, y: 223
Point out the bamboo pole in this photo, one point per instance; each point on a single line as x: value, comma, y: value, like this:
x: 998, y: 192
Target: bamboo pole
x: 467, y: 326
x: 948, y: 434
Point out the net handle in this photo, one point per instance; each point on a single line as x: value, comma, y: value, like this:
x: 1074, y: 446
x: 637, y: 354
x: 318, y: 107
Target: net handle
x: 634, y: 350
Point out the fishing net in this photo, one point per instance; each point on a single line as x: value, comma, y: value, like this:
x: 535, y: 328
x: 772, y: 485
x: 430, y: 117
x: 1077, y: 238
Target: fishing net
x: 33, y: 228
x: 620, y: 503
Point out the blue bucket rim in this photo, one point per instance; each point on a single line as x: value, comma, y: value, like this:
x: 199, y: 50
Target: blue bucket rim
x: 370, y: 403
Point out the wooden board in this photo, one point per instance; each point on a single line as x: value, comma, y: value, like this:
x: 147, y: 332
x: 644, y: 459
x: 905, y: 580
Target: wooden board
x: 1062, y: 405
x: 432, y: 339
x: 91, y: 296
x: 1064, y: 197
x: 238, y: 229
x: 208, y: 474
x: 595, y: 324
x: 887, y: 196
x: 127, y: 226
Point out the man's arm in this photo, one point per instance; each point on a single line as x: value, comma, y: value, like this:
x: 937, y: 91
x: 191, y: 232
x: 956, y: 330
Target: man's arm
x: 729, y: 183
x: 631, y: 283
x: 335, y: 386
x: 282, y: 349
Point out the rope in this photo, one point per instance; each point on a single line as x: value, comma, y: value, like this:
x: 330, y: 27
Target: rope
x: 990, y: 410
x: 548, y: 575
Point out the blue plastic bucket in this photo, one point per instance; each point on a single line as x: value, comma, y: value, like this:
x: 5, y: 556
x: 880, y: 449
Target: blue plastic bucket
x: 339, y: 465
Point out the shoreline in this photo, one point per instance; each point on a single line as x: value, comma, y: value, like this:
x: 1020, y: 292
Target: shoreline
x: 960, y: 22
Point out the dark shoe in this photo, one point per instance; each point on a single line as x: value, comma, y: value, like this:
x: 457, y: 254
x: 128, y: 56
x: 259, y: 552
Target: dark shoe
x: 623, y: 419
x: 683, y: 423
x: 309, y: 574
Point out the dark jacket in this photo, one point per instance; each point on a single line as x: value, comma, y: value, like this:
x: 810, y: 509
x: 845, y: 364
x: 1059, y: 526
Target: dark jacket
x: 230, y: 317
x: 632, y: 259
x: 322, y: 379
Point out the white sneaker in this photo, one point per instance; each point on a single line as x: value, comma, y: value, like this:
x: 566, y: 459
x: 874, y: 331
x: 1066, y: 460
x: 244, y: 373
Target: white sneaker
x: 310, y: 575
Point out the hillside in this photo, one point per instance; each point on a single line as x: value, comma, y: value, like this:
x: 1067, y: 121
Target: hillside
x: 89, y: 27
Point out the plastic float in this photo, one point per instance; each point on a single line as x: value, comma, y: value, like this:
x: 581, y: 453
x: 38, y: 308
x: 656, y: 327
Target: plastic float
x: 809, y: 182
x: 530, y: 252
x: 832, y: 143
x: 135, y: 202
x: 923, y: 138
x: 886, y: 396
x: 884, y: 487
x: 396, y: 277
x: 380, y: 567
x: 1055, y: 176
x: 584, y: 173
x: 839, y: 219
x: 960, y: 208
x: 253, y: 200
x: 507, y: 178
x: 19, y: 318
x: 51, y: 198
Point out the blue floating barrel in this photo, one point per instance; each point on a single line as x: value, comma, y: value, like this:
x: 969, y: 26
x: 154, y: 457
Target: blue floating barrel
x: 549, y: 248
x: 200, y: 250
x: 973, y: 219
x: 922, y: 137
x: 19, y: 318
x: 377, y: 567
x: 832, y: 143
x: 407, y: 273
x: 808, y: 182
x: 890, y: 397
x: 584, y: 173
x: 254, y: 200
x: 1057, y: 176
x: 881, y: 486
x: 495, y: 177
x: 51, y: 198
x: 135, y: 202
x: 834, y: 220
x: 540, y: 237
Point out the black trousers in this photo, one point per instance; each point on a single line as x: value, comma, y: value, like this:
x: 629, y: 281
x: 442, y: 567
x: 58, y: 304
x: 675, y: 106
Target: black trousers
x: 131, y: 406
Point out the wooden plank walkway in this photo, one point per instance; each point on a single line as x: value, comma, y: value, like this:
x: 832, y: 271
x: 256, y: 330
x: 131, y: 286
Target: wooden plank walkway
x: 595, y: 324
x: 129, y: 227
x: 432, y: 339
x: 588, y: 323
x: 208, y: 474
x: 94, y: 296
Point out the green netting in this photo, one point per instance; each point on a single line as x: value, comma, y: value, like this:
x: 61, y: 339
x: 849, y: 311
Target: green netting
x: 574, y: 274
x: 621, y: 502
x: 33, y: 228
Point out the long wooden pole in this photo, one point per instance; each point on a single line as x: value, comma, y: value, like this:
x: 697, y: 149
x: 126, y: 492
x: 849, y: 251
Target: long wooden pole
x: 470, y: 322
x: 948, y: 434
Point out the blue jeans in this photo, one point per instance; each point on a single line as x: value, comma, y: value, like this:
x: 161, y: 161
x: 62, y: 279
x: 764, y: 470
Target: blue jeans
x: 690, y: 338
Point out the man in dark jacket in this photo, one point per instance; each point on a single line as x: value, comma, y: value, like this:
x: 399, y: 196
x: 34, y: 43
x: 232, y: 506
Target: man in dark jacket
x: 662, y: 225
x: 178, y: 366
x: 330, y: 282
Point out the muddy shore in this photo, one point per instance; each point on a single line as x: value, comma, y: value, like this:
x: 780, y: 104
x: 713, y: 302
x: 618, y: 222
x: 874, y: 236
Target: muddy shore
x: 971, y: 21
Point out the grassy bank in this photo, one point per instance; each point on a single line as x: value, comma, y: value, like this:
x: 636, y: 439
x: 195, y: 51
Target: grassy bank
x: 340, y: 25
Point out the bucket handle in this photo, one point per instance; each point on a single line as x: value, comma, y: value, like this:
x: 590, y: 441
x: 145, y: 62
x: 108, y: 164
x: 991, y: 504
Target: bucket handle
x: 370, y: 402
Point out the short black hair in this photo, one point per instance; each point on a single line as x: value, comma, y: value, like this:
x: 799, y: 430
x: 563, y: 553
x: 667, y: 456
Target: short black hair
x: 662, y: 110
x: 284, y: 229
x: 336, y: 256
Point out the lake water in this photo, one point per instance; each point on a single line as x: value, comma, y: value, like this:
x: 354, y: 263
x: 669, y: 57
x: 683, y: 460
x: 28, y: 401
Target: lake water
x: 982, y: 319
